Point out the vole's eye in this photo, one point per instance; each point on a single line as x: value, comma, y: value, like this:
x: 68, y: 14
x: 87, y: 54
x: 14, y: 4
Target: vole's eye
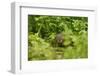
x: 60, y: 41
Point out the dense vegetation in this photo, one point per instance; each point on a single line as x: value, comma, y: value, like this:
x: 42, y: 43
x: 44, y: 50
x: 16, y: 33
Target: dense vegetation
x: 57, y: 37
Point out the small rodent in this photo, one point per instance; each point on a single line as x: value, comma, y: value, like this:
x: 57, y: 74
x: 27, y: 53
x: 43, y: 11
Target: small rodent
x: 59, y: 39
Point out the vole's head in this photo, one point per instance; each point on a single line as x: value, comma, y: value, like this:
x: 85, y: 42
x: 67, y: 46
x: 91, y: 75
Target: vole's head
x: 59, y: 38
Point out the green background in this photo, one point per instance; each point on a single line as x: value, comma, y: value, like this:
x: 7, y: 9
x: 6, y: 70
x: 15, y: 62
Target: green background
x: 44, y: 32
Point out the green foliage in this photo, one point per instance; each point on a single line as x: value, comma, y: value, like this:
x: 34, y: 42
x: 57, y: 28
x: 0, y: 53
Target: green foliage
x: 43, y: 43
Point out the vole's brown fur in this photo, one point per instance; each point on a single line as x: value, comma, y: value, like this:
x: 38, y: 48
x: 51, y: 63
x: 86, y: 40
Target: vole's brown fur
x: 59, y: 39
